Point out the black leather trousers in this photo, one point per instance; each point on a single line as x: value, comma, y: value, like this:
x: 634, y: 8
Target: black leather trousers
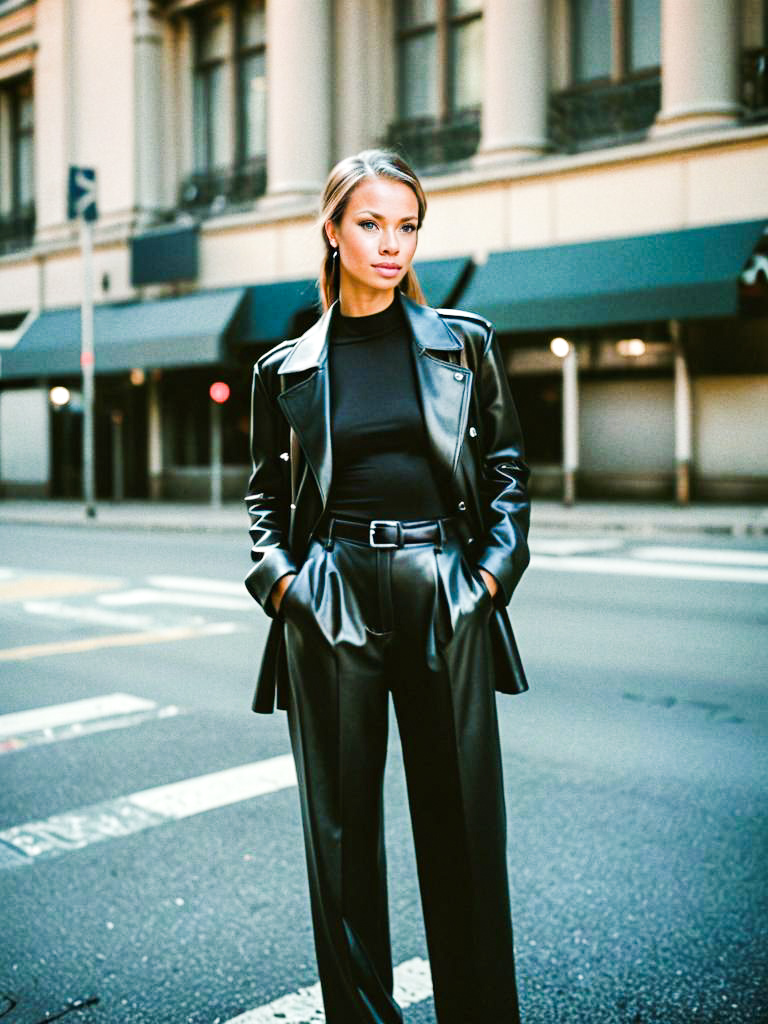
x: 361, y: 623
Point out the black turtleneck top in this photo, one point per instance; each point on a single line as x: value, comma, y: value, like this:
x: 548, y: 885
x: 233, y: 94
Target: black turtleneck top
x: 382, y: 468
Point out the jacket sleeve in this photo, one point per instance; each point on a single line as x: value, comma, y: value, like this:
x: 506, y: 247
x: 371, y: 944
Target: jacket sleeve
x: 268, y: 497
x: 506, y: 507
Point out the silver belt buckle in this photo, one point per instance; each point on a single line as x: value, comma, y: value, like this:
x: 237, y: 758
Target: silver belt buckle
x: 372, y: 530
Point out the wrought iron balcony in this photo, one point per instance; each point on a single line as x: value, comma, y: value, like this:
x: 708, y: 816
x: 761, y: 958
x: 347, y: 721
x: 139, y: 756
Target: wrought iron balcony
x: 17, y: 229
x: 209, y: 193
x: 754, y: 84
x: 430, y: 142
x: 603, y: 114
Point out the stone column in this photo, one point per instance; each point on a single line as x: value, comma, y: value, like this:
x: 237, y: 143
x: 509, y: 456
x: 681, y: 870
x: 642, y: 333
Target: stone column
x: 699, y: 65
x: 516, y: 81
x: 299, y: 66
x: 54, y: 120
x: 361, y: 111
x: 147, y: 87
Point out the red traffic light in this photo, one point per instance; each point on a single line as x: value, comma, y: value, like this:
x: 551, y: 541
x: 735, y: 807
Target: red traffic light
x: 219, y: 391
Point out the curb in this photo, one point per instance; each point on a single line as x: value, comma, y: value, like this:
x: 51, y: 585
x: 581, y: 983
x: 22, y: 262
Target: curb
x: 741, y: 522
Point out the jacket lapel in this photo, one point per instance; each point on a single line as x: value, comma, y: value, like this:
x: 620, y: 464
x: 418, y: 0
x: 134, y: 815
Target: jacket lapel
x: 307, y: 402
x: 445, y: 387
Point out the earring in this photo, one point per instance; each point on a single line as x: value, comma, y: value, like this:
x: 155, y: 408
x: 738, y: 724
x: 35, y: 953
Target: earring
x: 335, y: 252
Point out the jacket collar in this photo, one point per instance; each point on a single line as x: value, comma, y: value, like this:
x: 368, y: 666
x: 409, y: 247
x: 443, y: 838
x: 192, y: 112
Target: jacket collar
x: 428, y: 329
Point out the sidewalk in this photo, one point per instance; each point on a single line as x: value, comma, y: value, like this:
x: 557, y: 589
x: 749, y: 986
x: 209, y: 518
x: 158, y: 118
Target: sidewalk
x: 632, y: 518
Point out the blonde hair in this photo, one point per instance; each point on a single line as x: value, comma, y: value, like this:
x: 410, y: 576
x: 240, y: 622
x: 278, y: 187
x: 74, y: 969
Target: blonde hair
x: 343, y: 179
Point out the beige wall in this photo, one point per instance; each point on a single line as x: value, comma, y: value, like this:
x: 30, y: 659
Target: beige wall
x: 627, y: 426
x: 24, y: 444
x: 731, y: 425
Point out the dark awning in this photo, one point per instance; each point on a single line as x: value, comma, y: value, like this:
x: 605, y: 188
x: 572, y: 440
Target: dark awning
x: 440, y: 279
x: 671, y: 275
x: 270, y: 311
x: 191, y: 330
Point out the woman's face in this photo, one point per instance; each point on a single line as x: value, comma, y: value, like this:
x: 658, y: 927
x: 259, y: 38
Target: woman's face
x: 376, y: 240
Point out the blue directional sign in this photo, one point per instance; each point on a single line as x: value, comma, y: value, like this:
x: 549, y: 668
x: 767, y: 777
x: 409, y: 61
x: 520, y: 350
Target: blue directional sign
x: 81, y: 194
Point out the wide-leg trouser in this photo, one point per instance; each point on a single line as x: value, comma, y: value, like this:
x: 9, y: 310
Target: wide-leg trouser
x: 361, y: 623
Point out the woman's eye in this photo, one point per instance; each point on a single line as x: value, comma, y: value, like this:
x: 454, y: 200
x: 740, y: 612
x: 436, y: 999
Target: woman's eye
x: 367, y: 224
x: 409, y: 228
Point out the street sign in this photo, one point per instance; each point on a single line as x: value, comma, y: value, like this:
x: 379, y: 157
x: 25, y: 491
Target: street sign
x: 81, y: 194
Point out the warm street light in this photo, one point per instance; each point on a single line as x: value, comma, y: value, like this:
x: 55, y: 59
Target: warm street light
x: 632, y: 347
x: 560, y: 347
x: 59, y: 396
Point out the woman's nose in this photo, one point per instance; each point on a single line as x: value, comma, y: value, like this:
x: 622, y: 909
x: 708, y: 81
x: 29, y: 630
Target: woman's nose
x: 389, y: 242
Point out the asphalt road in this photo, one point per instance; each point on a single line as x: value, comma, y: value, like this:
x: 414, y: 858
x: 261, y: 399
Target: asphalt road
x: 635, y: 768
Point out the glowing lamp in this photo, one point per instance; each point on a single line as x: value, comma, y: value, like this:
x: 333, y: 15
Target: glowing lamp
x: 219, y: 391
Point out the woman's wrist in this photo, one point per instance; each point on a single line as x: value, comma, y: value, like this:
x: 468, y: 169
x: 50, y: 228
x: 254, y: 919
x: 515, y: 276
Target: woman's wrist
x: 489, y: 580
x: 279, y: 589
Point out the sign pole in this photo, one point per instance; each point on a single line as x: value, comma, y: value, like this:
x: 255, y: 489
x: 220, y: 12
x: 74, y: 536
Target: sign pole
x: 87, y: 366
x: 81, y: 205
x: 216, y: 467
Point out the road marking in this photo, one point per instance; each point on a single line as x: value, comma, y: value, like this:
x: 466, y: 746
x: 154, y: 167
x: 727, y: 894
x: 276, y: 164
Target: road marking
x: 77, y: 718
x: 207, y: 600
x: 113, y: 819
x: 712, y: 556
x: 95, y: 643
x: 201, y: 583
x: 88, y: 613
x: 53, y: 715
x: 571, y: 545
x: 80, y: 729
x: 630, y: 567
x: 413, y: 984
x: 53, y: 586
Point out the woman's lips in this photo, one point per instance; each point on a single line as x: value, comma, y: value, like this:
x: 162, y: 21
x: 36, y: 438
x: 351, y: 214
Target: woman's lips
x: 387, y: 269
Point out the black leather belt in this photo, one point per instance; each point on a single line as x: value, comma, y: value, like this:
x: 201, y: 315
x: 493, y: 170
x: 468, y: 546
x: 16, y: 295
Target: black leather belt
x: 390, y: 533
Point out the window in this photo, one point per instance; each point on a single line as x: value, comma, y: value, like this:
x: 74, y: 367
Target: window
x: 230, y: 113
x: 754, y: 59
x: 439, y: 89
x: 17, y: 178
x: 615, y: 90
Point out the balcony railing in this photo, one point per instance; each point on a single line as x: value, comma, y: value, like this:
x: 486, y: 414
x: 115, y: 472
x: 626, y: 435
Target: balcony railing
x: 604, y: 114
x: 209, y: 193
x: 17, y: 229
x: 429, y: 142
x: 754, y: 84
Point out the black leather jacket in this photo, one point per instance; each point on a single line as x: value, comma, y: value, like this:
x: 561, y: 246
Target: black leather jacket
x: 474, y: 431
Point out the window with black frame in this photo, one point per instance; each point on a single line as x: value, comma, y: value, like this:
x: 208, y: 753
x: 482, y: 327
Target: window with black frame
x: 614, y: 91
x: 229, y: 106
x: 438, y: 47
x: 754, y: 60
x: 17, y: 176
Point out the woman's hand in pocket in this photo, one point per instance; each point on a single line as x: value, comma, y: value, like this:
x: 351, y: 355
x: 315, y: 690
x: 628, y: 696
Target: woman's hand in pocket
x: 279, y: 589
x: 490, y: 581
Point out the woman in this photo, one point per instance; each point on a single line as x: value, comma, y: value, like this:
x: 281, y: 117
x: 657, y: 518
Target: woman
x: 389, y: 518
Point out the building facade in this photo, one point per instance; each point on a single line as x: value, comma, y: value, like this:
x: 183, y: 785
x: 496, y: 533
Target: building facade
x: 596, y: 172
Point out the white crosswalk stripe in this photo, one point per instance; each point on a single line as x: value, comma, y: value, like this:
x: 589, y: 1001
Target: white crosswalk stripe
x: 662, y: 569
x: 709, y: 556
x: 147, y: 595
x: 413, y: 984
x: 49, y: 717
x: 113, y: 819
x: 22, y: 729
